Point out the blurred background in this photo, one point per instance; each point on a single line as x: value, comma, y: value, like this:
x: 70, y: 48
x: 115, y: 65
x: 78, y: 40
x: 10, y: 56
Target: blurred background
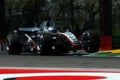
x: 76, y: 15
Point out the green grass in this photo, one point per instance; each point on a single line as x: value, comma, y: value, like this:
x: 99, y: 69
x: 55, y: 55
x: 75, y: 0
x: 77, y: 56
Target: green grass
x: 103, y: 55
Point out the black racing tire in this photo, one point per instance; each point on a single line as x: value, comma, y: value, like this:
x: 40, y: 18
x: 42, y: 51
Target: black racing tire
x: 90, y: 41
x: 46, y: 44
x: 15, y: 49
x: 13, y: 46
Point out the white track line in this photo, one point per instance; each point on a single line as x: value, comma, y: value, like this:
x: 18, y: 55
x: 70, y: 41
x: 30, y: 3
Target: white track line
x: 56, y: 68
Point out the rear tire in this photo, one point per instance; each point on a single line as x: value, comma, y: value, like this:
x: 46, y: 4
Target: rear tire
x: 13, y: 46
x: 15, y: 49
x: 90, y: 41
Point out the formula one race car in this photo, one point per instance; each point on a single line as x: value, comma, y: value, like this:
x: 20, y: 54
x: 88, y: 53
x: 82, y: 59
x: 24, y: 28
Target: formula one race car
x: 46, y: 40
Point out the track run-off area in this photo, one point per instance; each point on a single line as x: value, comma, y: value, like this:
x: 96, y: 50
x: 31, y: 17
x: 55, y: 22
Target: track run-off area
x: 58, y: 67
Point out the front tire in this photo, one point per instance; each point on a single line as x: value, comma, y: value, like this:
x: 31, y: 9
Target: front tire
x: 90, y: 41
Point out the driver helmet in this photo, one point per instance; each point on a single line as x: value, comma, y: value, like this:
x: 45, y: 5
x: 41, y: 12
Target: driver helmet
x: 52, y: 29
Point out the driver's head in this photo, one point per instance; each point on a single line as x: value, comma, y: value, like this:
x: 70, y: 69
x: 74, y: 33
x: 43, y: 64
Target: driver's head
x: 52, y: 29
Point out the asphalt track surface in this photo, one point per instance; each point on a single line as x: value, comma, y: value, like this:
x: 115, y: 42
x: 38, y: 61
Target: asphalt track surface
x: 59, y: 61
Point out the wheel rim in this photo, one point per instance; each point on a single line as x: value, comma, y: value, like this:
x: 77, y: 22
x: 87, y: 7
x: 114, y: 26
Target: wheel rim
x: 86, y: 41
